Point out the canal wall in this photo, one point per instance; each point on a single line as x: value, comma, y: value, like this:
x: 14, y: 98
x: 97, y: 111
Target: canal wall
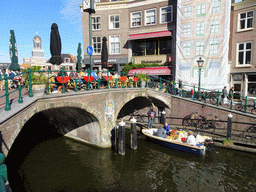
x: 182, y: 107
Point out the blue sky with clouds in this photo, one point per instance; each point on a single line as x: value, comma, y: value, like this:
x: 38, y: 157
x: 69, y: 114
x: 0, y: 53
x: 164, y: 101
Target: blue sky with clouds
x: 29, y: 16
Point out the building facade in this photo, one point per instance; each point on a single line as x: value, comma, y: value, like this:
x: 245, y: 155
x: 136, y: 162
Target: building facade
x: 242, y: 48
x: 203, y: 31
x: 138, y: 31
x: 37, y: 58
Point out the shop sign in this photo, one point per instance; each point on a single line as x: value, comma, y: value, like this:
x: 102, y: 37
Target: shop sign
x: 146, y: 61
x: 237, y: 77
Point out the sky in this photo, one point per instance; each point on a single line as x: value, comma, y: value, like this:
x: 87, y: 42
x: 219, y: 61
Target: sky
x: 29, y: 17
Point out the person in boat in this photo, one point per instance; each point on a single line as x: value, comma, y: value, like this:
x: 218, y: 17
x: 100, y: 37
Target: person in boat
x: 151, y: 116
x: 167, y: 128
x: 161, y: 132
x: 191, y: 140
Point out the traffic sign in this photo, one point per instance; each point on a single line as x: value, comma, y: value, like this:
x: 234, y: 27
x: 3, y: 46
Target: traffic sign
x: 89, y: 50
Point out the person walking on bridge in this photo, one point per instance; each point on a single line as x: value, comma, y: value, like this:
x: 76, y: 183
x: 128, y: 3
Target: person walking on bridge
x: 151, y: 116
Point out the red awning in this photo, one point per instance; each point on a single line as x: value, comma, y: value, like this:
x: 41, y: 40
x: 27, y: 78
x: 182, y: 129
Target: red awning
x: 150, y: 35
x: 151, y: 71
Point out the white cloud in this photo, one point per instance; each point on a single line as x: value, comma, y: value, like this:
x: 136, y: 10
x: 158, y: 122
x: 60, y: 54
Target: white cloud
x: 71, y: 11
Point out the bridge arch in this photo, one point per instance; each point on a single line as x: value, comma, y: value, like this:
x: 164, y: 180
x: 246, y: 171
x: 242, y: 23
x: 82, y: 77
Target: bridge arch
x: 142, y: 100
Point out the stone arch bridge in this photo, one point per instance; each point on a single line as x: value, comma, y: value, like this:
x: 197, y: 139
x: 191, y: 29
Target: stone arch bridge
x: 90, y: 116
x: 87, y: 116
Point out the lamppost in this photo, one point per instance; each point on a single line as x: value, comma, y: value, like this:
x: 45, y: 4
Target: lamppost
x: 200, y: 63
x: 89, y: 6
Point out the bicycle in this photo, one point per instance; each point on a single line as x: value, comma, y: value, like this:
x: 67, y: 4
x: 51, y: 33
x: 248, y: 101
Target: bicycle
x: 138, y: 116
x: 206, y: 123
x: 250, y: 132
x: 241, y: 107
x: 211, y: 96
x: 190, y: 120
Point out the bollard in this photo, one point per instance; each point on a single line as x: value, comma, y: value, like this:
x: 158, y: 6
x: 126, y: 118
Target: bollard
x: 229, y: 129
x: 162, y: 120
x: 133, y: 134
x: 121, y: 138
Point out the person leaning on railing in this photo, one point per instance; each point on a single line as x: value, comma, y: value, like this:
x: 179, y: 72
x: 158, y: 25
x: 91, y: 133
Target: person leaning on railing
x: 231, y: 93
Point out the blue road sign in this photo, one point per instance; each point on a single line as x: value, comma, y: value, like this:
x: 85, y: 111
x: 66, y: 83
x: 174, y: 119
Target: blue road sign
x: 89, y: 50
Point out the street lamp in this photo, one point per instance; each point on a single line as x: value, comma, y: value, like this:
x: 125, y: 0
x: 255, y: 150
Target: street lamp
x: 89, y: 6
x: 200, y: 63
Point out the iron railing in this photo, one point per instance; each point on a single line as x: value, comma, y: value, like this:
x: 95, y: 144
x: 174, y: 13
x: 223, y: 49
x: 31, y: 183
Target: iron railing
x: 108, y: 81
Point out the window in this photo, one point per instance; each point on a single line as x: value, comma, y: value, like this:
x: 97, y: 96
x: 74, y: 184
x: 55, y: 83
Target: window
x: 136, y: 19
x: 215, y: 26
x: 213, y: 46
x: 67, y: 60
x: 244, y: 53
x: 187, y: 11
x: 246, y: 20
x: 165, y: 45
x: 252, y: 85
x: 138, y: 48
x: 186, y: 30
x: 114, y: 21
x: 216, y: 6
x: 186, y: 47
x: 166, y: 14
x: 96, y: 43
x: 114, y: 44
x: 199, y: 48
x: 150, y: 17
x: 201, y: 10
x: 96, y: 23
x: 200, y: 28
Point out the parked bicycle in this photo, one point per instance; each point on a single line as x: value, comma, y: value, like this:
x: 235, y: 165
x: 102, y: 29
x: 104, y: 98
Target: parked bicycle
x: 241, y: 107
x: 212, y: 96
x: 206, y: 123
x: 190, y: 120
x: 138, y: 116
x: 250, y: 132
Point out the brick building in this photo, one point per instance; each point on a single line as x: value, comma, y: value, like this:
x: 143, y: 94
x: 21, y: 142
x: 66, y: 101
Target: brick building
x: 242, y: 48
x: 137, y: 31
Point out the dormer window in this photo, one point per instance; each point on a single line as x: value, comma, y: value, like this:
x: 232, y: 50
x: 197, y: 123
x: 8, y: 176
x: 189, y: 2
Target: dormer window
x: 67, y: 60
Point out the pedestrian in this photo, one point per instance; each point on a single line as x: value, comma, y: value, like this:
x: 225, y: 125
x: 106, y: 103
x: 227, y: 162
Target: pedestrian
x: 231, y: 93
x: 151, y: 116
x: 224, y: 95
x: 192, y: 93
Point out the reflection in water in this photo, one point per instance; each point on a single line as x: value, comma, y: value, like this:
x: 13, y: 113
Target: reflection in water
x: 65, y: 165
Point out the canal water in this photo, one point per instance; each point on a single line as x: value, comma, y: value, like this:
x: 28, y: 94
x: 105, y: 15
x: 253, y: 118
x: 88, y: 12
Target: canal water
x: 63, y: 164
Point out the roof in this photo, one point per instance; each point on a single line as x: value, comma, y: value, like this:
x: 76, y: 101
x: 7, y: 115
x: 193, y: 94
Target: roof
x: 66, y: 55
x: 24, y: 65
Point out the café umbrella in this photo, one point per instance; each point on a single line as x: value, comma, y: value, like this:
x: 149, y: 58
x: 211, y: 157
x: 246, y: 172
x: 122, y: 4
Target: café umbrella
x: 13, y: 53
x: 79, y: 57
x: 104, y: 53
x: 55, y: 45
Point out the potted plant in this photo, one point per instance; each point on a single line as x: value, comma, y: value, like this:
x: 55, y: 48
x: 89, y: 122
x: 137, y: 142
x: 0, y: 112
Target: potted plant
x: 143, y: 78
x: 227, y: 142
x: 38, y: 80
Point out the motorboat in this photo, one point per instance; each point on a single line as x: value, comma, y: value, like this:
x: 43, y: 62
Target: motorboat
x: 178, y: 141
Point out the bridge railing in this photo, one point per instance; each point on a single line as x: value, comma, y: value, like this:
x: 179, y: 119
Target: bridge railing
x: 71, y: 80
x: 240, y: 132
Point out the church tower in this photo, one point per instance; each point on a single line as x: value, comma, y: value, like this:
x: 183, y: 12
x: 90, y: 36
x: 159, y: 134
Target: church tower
x: 37, y: 51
